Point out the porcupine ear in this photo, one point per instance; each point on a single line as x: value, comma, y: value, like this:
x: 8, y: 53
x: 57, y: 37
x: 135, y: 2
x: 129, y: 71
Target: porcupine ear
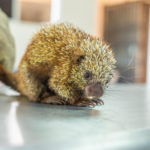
x: 78, y: 56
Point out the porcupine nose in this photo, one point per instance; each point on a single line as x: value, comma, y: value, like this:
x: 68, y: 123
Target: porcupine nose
x: 94, y: 90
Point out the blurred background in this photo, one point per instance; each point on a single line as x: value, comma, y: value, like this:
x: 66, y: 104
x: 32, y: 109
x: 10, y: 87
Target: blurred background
x: 124, y: 24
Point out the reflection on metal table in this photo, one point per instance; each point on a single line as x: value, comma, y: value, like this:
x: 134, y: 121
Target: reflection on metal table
x: 122, y: 123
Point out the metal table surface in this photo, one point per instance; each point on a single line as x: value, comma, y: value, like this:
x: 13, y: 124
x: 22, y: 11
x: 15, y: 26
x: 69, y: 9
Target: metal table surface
x: 122, y: 123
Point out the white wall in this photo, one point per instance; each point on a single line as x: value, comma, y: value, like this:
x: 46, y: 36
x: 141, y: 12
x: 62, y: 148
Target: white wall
x: 79, y: 12
x: 22, y: 33
x: 55, y: 11
x: 16, y: 9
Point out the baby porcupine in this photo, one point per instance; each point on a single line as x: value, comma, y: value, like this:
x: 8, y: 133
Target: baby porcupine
x: 63, y: 65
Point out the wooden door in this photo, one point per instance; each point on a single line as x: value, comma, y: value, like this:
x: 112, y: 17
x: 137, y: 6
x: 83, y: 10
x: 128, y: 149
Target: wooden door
x: 126, y: 29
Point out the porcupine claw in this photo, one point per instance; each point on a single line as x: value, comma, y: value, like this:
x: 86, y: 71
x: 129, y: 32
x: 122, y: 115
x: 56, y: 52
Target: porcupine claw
x: 84, y: 103
x: 53, y: 100
x: 98, y: 101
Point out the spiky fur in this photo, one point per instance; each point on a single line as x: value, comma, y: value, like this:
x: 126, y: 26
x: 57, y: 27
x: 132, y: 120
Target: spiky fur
x: 51, y: 59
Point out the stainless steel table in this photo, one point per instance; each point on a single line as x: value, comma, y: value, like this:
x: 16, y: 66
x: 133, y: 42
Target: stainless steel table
x: 122, y: 123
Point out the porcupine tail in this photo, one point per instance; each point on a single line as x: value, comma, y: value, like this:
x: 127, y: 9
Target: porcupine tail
x: 8, y: 78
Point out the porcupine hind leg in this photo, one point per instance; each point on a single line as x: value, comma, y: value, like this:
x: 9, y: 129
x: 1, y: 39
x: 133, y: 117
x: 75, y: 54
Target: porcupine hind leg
x: 30, y: 86
x: 37, y: 92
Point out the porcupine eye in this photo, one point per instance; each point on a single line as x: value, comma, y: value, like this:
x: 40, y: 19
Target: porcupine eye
x: 87, y: 74
x: 80, y: 59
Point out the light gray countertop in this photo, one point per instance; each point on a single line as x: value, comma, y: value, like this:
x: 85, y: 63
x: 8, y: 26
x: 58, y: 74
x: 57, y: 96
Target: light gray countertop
x: 122, y: 123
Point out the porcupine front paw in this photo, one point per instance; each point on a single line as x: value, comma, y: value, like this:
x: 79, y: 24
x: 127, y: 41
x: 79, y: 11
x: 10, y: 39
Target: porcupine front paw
x: 84, y: 103
x: 98, y: 101
x: 53, y: 100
